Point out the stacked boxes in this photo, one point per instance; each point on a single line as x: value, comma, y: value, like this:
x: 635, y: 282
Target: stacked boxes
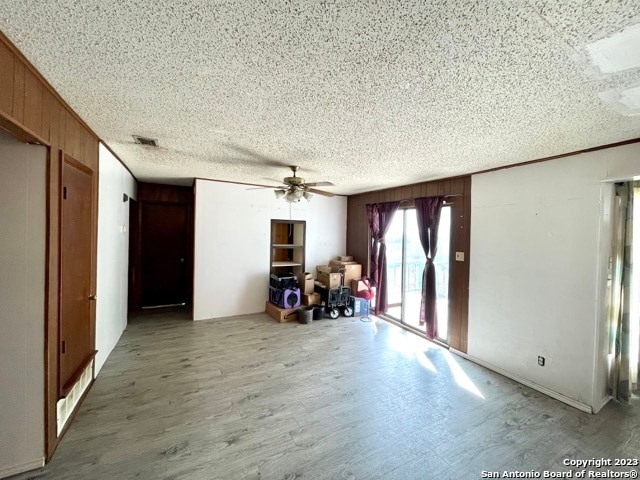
x: 310, y: 298
x: 305, y: 282
x: 340, y: 271
x: 352, y: 270
x: 281, y: 314
x: 340, y: 274
x: 328, y: 277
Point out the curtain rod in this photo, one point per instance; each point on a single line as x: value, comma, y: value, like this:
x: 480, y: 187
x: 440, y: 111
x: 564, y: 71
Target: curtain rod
x: 427, y: 196
x: 411, y: 201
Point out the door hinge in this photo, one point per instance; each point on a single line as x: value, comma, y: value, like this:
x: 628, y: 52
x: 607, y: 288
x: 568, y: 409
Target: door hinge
x: 64, y: 347
x: 64, y: 193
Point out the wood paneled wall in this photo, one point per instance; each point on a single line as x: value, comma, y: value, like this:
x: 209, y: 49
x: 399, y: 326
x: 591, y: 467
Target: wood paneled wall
x: 32, y: 111
x: 459, y: 188
x: 155, y: 192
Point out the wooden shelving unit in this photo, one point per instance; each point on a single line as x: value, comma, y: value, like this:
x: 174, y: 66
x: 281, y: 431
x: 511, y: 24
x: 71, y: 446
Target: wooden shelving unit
x: 288, y: 239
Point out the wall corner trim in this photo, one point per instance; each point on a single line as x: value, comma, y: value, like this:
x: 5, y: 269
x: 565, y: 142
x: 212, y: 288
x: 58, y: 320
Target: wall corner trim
x: 603, y: 402
x: 23, y: 468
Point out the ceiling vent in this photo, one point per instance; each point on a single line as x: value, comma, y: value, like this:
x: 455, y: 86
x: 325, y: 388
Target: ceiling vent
x: 145, y: 141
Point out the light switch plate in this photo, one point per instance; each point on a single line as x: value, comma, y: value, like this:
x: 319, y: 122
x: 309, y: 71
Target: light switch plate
x: 459, y: 256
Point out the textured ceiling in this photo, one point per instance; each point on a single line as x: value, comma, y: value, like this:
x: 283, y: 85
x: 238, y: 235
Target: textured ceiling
x: 366, y: 94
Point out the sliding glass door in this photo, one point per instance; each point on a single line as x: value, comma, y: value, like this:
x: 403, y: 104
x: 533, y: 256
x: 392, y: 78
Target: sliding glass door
x: 405, y: 265
x: 394, y: 240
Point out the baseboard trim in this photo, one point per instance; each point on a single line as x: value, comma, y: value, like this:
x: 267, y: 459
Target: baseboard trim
x: 524, y: 381
x: 25, y: 467
x: 604, y: 401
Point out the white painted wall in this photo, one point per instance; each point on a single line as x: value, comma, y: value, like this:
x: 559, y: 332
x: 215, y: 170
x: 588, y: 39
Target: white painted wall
x: 540, y: 244
x: 113, y: 253
x: 232, y: 230
x: 22, y: 288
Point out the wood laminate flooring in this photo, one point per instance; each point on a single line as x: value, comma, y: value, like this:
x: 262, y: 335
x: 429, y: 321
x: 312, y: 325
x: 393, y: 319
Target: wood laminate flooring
x: 245, y: 397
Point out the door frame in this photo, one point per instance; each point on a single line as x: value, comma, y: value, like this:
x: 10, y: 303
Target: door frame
x: 188, y: 255
x: 450, y: 202
x: 133, y: 289
x: 166, y: 195
x: 69, y: 160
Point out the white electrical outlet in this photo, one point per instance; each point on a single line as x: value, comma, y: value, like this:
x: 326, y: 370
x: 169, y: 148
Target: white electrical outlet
x: 459, y: 256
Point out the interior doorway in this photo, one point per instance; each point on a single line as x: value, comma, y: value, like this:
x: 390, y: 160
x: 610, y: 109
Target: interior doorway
x: 23, y: 263
x: 405, y: 265
x: 76, y: 266
x: 164, y: 247
x: 161, y: 247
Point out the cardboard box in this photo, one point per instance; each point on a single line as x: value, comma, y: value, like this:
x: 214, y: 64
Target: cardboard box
x: 340, y: 263
x: 311, y: 298
x: 352, y: 271
x: 305, y: 282
x: 327, y: 276
x: 281, y: 314
x: 323, y: 269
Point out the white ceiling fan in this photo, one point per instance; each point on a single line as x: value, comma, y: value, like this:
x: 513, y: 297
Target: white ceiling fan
x: 294, y: 188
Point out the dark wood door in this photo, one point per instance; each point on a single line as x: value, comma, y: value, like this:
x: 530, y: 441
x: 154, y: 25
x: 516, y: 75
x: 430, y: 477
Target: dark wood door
x: 76, y: 267
x: 164, y: 254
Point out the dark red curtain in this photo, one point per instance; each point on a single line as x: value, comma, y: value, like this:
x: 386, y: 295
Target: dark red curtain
x: 380, y: 216
x: 428, y: 213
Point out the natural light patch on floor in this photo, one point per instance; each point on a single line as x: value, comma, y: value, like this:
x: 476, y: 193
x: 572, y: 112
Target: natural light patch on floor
x: 461, y: 378
x: 411, y: 346
x: 425, y: 362
x: 415, y: 347
x: 374, y: 324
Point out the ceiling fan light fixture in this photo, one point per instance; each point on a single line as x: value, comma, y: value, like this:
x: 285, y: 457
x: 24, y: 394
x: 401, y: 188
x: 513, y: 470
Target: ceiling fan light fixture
x: 295, y: 188
x: 291, y: 197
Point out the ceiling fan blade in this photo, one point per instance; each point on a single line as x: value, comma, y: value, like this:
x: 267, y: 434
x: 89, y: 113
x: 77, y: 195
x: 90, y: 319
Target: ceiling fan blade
x: 256, y: 156
x: 274, y: 180
x: 320, y: 184
x: 320, y: 192
x: 262, y: 188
